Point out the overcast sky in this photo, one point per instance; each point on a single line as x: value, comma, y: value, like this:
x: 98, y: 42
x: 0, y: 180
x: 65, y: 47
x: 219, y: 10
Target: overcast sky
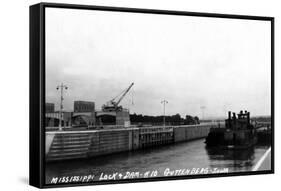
x: 222, y: 64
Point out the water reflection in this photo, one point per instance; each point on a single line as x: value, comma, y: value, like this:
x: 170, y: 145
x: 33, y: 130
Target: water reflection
x: 235, y: 159
x: 186, y: 155
x: 241, y: 159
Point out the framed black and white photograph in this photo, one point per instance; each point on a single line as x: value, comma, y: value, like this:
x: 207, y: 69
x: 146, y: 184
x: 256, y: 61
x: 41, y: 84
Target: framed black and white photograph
x: 129, y: 95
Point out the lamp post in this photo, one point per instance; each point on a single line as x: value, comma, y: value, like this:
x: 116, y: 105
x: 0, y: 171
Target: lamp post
x: 61, y: 88
x: 164, y: 102
x: 203, y: 108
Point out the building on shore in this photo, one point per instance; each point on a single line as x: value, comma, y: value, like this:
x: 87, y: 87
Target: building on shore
x: 84, y: 113
x: 49, y: 107
x: 84, y: 106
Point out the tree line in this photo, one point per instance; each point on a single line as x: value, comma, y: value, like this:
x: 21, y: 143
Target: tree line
x: 176, y: 119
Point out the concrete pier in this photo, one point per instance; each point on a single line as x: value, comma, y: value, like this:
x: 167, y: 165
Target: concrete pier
x: 64, y: 145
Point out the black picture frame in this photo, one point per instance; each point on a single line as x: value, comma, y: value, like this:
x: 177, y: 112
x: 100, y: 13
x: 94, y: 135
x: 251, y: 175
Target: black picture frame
x: 37, y: 90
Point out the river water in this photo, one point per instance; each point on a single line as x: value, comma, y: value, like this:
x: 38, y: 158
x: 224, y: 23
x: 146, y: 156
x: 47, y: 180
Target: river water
x: 186, y: 158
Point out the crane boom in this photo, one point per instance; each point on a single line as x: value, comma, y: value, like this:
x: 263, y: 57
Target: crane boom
x: 112, y: 105
x: 124, y: 94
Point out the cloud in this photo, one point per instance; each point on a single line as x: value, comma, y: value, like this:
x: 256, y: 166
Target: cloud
x: 189, y: 61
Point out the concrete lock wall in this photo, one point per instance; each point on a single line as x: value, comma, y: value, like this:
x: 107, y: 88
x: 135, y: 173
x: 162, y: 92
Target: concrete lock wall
x: 63, y: 145
x: 68, y: 145
x: 190, y: 132
x: 83, y: 144
x: 107, y: 142
x: 155, y: 136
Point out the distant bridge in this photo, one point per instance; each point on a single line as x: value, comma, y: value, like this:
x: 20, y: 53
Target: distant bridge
x: 56, y: 115
x: 69, y: 117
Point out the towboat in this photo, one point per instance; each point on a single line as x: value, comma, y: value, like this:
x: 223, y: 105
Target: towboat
x: 238, y: 133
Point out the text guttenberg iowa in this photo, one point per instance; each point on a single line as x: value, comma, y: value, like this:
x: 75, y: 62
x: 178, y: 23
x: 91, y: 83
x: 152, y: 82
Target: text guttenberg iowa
x: 136, y: 174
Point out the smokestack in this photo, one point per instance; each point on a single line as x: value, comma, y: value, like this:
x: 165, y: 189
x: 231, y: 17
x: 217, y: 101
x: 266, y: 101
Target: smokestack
x: 229, y: 119
x: 248, y: 117
x: 234, y: 118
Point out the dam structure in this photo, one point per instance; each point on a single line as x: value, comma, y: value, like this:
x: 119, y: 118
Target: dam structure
x: 86, y: 132
x: 75, y: 144
x: 111, y: 139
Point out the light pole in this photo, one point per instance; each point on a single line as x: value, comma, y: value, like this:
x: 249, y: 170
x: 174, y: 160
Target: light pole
x: 164, y: 102
x: 61, y: 88
x: 203, y: 108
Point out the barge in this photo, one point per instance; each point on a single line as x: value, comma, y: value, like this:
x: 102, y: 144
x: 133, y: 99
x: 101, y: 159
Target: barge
x: 238, y: 133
